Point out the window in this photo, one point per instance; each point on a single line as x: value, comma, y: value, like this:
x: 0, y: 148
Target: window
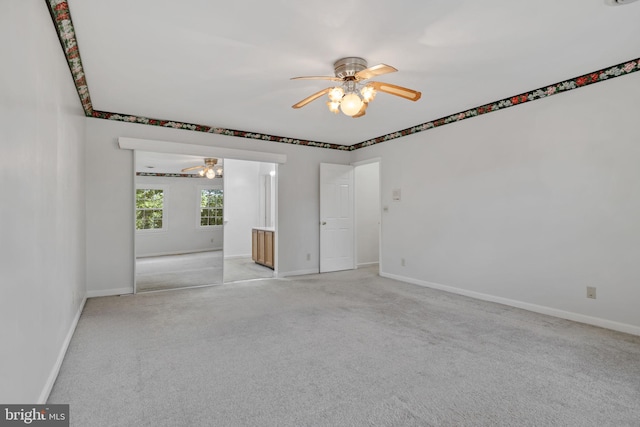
x: 150, y: 209
x: 211, y: 207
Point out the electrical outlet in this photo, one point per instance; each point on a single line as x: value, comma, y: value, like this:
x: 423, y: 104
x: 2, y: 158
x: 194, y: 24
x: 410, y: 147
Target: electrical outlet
x: 308, y: 257
x: 402, y: 263
x: 591, y: 292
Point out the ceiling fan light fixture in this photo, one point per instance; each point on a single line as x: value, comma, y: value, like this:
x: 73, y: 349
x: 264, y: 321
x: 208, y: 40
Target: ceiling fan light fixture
x: 368, y: 93
x: 211, y: 168
x: 336, y: 94
x: 353, y: 95
x: 334, y: 106
x: 351, y: 104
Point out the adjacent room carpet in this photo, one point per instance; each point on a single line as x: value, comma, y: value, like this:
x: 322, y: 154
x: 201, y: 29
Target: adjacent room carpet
x: 236, y: 269
x: 194, y: 269
x: 340, y: 349
x: 178, y: 271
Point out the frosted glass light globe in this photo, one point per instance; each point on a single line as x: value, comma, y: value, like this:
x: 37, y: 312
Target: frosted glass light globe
x: 210, y: 173
x: 334, y: 107
x: 335, y: 94
x: 368, y: 93
x: 351, y: 104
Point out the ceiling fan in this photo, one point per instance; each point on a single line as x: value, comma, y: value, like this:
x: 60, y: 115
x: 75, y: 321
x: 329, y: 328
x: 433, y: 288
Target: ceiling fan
x: 211, y: 169
x: 353, y: 95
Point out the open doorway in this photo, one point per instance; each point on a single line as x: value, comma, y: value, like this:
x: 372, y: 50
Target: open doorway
x: 179, y: 236
x: 367, y: 214
x: 250, y: 210
x: 166, y: 150
x: 197, y: 231
x: 350, y: 220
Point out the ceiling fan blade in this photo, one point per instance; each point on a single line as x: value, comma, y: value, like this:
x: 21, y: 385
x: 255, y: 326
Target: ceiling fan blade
x: 310, y: 98
x: 192, y: 168
x: 376, y: 70
x: 403, y: 92
x: 362, y: 112
x: 333, y: 79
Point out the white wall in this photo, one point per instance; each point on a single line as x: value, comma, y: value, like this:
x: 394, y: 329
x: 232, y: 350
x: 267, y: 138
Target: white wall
x: 367, y: 215
x: 529, y: 205
x: 267, y: 190
x: 110, y: 200
x: 42, y: 222
x: 241, y: 205
x: 183, y: 233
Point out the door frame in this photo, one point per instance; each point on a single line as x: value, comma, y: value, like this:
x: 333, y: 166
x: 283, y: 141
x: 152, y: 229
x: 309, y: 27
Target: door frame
x: 377, y: 160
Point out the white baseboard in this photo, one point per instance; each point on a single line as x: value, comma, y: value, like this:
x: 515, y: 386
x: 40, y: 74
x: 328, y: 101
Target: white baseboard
x: 576, y: 317
x: 297, y: 272
x: 237, y: 256
x: 366, y: 264
x: 109, y: 292
x: 44, y: 395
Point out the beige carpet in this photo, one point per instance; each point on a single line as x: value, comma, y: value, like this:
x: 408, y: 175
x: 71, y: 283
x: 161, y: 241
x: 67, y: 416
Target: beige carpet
x: 340, y: 349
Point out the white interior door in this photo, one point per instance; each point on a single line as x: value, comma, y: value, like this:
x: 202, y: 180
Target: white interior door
x: 336, y: 218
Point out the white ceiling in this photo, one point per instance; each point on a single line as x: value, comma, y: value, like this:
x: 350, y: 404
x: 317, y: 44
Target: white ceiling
x: 228, y: 64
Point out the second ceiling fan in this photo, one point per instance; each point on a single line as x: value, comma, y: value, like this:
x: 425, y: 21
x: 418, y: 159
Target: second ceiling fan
x: 211, y: 168
x: 353, y: 95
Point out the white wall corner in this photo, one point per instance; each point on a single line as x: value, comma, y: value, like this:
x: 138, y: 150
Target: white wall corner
x: 53, y: 375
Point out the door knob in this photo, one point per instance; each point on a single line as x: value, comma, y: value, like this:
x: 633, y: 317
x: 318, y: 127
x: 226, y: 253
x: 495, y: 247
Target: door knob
x: 324, y: 223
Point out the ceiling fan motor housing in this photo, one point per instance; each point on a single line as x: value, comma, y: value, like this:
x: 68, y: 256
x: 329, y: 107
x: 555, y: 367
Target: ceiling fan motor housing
x: 348, y: 67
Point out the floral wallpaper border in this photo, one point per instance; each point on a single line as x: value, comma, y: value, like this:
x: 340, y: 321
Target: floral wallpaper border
x: 171, y: 175
x: 59, y: 10
x: 554, y: 89
x: 61, y: 16
x: 210, y: 129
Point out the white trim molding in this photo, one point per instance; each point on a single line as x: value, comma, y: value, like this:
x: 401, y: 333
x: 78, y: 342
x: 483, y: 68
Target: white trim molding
x: 241, y: 256
x: 109, y: 292
x: 366, y: 264
x: 199, y: 150
x: 298, y: 272
x: 53, y: 375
